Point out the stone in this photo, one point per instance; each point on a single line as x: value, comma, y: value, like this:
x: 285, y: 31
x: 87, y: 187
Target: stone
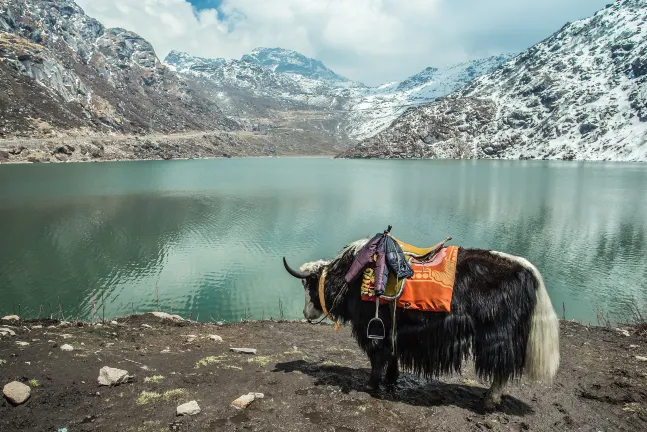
x: 244, y: 401
x: 66, y: 336
x: 67, y: 347
x: 641, y: 358
x: 111, y: 377
x: 633, y: 346
x: 623, y: 332
x: 7, y: 332
x: 22, y: 344
x: 11, y: 318
x: 490, y: 424
x: 16, y: 392
x: 114, y: 323
x: 189, y: 408
x: 215, y: 338
x: 243, y: 350
x: 146, y: 326
x: 191, y: 338
x: 166, y: 350
x: 165, y: 315
x: 37, y: 327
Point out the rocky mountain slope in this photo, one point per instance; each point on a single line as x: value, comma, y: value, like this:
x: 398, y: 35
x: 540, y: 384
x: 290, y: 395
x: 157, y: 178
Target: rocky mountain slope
x: 273, y: 87
x: 63, y: 72
x: 580, y: 94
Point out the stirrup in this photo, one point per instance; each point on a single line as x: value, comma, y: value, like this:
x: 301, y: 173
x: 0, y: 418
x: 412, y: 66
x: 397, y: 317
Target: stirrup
x: 379, y: 331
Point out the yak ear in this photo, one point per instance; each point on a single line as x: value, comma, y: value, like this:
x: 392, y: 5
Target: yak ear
x: 296, y: 274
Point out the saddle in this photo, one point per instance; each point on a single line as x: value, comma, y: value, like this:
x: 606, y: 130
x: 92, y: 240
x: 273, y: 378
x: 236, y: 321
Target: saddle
x: 394, y: 287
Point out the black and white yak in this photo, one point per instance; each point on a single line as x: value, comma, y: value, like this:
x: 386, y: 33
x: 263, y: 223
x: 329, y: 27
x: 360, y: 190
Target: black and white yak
x: 501, y: 316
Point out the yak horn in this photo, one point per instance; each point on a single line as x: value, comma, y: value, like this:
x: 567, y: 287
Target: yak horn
x: 296, y: 274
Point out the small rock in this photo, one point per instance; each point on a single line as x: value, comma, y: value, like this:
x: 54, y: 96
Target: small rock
x: 244, y: 401
x: 490, y: 424
x: 165, y: 315
x: 16, y: 392
x: 623, y: 332
x: 191, y: 338
x: 114, y: 323
x: 189, y: 408
x: 166, y: 351
x: 23, y: 344
x: 5, y: 331
x: 11, y: 318
x: 147, y: 326
x: 28, y: 363
x: 67, y: 347
x: 64, y: 324
x: 37, y: 327
x: 243, y: 350
x: 110, y: 376
x: 641, y: 358
x: 66, y: 336
x: 633, y: 346
x: 215, y: 338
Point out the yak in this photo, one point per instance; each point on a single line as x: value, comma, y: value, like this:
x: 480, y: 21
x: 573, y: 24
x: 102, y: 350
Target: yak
x: 501, y: 317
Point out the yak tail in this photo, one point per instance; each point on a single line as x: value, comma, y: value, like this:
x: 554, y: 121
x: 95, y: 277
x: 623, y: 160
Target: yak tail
x: 542, y: 350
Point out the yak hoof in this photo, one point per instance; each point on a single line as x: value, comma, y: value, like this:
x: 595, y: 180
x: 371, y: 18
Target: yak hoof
x: 489, y: 404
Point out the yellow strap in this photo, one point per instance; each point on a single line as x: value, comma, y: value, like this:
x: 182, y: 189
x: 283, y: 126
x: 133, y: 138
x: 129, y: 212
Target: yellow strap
x: 322, y: 299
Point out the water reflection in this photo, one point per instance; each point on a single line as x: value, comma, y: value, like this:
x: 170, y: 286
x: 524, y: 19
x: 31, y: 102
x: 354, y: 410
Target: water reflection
x: 206, y: 237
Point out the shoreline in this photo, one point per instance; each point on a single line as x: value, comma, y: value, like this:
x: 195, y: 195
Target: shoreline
x: 310, y: 377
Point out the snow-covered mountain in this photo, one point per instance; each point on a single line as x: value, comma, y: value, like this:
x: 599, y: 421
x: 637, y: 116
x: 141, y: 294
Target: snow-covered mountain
x: 580, y: 94
x: 62, y: 71
x: 269, y: 85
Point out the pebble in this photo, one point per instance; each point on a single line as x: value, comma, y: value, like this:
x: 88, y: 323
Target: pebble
x: 165, y: 315
x: 243, y: 350
x: 623, y: 332
x: 67, y: 347
x: 19, y: 343
x: 16, y: 392
x: 147, y: 326
x: 114, y: 323
x: 641, y: 358
x: 189, y: 408
x: 191, y: 338
x: 166, y: 351
x: 11, y: 318
x: 490, y: 424
x: 37, y: 327
x: 215, y: 338
x: 5, y: 331
x: 110, y: 376
x: 244, y: 401
x: 66, y: 336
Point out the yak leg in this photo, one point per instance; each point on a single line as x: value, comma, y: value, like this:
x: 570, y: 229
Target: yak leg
x: 493, y: 395
x: 392, y: 371
x: 378, y: 360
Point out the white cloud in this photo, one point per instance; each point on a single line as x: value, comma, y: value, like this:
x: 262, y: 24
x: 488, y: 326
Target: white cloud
x: 368, y: 40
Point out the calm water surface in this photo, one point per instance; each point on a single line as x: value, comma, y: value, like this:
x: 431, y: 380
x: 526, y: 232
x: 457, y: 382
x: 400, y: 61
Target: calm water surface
x: 206, y: 237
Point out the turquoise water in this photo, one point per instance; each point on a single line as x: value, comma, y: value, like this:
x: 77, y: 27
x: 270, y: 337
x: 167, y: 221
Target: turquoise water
x: 205, y: 237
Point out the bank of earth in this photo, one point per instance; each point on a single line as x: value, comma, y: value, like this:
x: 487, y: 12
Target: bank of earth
x: 311, y: 377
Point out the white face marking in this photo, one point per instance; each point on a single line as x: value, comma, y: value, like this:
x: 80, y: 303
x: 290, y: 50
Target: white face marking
x: 309, y: 310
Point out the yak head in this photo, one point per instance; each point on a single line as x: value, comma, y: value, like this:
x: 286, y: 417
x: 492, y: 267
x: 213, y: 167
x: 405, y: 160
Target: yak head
x: 309, y: 274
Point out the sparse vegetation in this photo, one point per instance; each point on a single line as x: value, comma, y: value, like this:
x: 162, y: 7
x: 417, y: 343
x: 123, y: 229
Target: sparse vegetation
x: 33, y: 383
x: 153, y: 379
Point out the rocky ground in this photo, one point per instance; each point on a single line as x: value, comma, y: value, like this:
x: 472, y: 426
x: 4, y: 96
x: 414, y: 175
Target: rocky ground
x: 191, y: 145
x: 302, y: 377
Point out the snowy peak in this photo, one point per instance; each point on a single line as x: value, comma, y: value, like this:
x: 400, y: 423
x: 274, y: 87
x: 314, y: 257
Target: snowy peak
x: 288, y: 61
x: 183, y: 62
x: 579, y: 94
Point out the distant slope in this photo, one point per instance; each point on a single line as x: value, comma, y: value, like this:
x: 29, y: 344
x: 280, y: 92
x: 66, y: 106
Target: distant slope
x: 580, y: 94
x: 63, y: 72
x: 270, y: 88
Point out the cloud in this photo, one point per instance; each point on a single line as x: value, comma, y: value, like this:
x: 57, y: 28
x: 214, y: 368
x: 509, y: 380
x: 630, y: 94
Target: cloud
x: 372, y: 41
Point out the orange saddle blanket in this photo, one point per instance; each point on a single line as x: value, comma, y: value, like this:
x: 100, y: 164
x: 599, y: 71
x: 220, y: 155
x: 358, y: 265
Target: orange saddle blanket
x: 430, y: 288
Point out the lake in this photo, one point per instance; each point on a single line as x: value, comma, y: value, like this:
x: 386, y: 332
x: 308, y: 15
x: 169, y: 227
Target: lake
x: 205, y: 238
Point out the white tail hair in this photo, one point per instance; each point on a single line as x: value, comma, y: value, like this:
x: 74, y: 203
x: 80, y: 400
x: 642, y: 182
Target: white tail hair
x: 542, y: 351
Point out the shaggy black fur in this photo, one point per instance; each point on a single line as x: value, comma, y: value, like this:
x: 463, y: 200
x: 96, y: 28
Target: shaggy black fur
x: 492, y: 307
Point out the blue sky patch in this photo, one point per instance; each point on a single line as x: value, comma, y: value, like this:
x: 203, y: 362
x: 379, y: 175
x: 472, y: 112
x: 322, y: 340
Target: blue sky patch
x: 205, y: 4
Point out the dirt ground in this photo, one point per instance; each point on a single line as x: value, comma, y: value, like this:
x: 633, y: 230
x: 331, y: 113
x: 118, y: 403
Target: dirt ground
x: 312, y: 378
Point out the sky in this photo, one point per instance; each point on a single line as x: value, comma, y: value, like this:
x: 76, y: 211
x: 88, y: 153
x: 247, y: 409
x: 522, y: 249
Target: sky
x: 371, y: 41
